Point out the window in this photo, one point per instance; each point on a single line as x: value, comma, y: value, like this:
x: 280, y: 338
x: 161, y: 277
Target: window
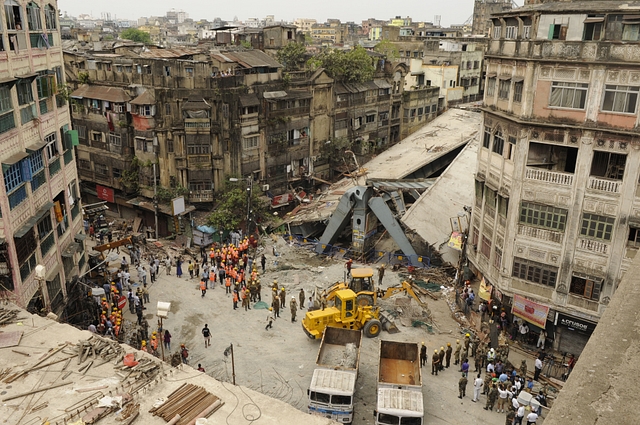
x: 33, y: 17
x: 84, y: 164
x: 634, y: 237
x: 96, y: 136
x: 526, y: 32
x: 568, y: 95
x: 250, y: 142
x: 44, y: 226
x: 170, y: 148
x: 593, y: 30
x: 486, y: 139
x: 517, y: 91
x: 145, y: 110
x: 13, y: 177
x: 319, y: 397
x: 631, y: 32
x: 490, y: 201
x: 497, y: 30
x: 166, y: 71
x: 36, y: 161
x: 117, y: 173
x: 503, y: 206
x: 587, y: 288
x: 82, y: 132
x: 7, y: 121
x: 189, y: 72
x: 543, y: 216
x: 491, y: 86
x: 45, y: 85
x: 101, y: 169
x: 498, y: 143
x: 51, y: 149
x: 511, y: 32
x: 474, y: 238
x: 115, y: 139
x: 534, y: 272
x: 167, y: 109
x: 13, y: 15
x: 503, y: 89
x: 485, y: 248
x: 597, y: 226
x: 620, y: 99
x: 25, y: 94
x: 608, y: 165
x: 511, y: 146
x: 497, y: 259
x: 370, y: 118
x: 557, y: 32
x: 420, y: 111
x: 479, y: 192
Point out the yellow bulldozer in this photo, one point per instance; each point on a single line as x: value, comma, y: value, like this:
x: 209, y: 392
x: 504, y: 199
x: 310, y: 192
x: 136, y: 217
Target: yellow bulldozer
x: 345, y: 313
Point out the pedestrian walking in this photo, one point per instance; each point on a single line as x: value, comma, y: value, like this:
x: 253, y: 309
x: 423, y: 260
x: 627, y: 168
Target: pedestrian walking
x: 276, y: 307
x: 167, y: 265
x: 462, y: 386
x: 310, y: 305
x: 145, y: 293
x: 477, y: 387
x: 435, y: 363
x: 491, y: 398
x: 456, y: 353
x: 348, y: 265
x: 184, y: 354
x: 167, y: 339
x: 293, y: 306
x: 441, y: 355
x: 270, y: 319
x: 263, y: 262
x: 283, y: 297
x: 179, y: 267
x: 301, y: 298
x: 235, y: 299
x: 203, y: 287
x: 190, y: 268
x: 380, y: 274
x: 537, y: 369
x: 206, y: 333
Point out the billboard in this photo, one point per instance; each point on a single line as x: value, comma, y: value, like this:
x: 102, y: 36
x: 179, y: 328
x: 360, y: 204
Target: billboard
x: 105, y: 193
x: 178, y: 205
x: 530, y: 311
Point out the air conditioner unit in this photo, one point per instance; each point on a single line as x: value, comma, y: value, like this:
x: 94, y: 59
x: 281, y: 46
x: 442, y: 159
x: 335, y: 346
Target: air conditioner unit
x: 265, y: 187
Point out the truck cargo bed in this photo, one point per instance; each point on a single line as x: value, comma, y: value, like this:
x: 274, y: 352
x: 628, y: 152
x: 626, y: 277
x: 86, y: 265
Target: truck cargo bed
x: 398, y: 372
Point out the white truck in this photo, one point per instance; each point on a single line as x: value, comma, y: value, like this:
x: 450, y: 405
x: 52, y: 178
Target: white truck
x: 399, y: 399
x: 333, y: 383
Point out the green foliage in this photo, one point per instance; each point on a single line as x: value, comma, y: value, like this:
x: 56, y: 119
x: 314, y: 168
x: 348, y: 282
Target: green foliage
x: 292, y: 56
x: 231, y: 209
x: 83, y: 78
x: 136, y: 35
x: 354, y: 66
x: 246, y: 44
x: 107, y: 37
x: 130, y: 178
x: 165, y: 195
x: 388, y: 49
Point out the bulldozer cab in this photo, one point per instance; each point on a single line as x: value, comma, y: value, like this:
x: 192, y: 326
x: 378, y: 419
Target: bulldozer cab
x: 361, y: 280
x: 345, y: 302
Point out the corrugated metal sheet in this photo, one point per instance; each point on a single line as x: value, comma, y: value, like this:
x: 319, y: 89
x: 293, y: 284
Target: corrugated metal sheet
x: 249, y: 100
x: 382, y: 84
x: 110, y: 94
x: 177, y: 52
x: 248, y: 59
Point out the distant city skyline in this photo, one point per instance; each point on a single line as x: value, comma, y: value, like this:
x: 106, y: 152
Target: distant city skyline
x: 451, y: 12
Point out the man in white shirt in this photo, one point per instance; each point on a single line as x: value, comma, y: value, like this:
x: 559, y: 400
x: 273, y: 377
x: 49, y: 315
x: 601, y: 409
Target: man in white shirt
x: 519, y: 416
x: 532, y: 418
x: 477, y: 387
x: 490, y: 368
x: 538, y: 369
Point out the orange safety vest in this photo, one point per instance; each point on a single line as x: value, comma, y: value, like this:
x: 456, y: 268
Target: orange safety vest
x: 203, y: 285
x: 212, y: 254
x: 227, y: 282
x: 212, y: 276
x: 235, y: 297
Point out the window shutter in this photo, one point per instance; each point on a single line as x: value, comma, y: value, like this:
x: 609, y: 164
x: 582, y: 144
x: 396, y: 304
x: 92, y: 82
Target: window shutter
x: 551, y: 27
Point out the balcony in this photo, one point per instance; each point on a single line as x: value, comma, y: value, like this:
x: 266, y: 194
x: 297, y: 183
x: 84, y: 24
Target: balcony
x: 201, y: 196
x: 197, y: 125
x: 604, y: 185
x: 553, y: 177
x: 582, y: 302
x: 68, y: 157
x: 588, y: 51
x: 75, y: 211
x: 47, y: 244
x: 54, y: 167
x: 181, y: 163
x: 199, y: 161
x: 537, y: 233
x: 593, y: 246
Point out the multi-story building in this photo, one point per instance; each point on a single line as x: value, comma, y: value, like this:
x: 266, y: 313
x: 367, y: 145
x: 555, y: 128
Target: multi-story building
x: 41, y: 216
x: 556, y: 220
x: 304, y: 25
x: 482, y: 11
x: 327, y: 34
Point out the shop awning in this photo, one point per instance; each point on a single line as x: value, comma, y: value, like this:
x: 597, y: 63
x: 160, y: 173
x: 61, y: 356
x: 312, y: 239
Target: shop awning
x: 517, y: 79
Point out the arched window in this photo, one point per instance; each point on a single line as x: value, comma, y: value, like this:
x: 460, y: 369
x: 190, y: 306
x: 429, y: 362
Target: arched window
x: 13, y: 15
x: 33, y: 17
x: 50, y: 17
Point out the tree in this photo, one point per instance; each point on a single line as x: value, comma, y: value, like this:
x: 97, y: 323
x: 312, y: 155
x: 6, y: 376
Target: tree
x: 353, y: 66
x: 137, y: 35
x: 231, y: 210
x: 388, y: 49
x: 292, y: 56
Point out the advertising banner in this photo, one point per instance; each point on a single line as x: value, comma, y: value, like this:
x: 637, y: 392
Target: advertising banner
x: 530, y: 311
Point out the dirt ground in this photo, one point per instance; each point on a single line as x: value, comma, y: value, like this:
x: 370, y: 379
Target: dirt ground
x: 280, y: 362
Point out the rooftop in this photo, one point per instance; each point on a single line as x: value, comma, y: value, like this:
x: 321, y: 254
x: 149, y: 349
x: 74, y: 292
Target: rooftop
x: 580, y: 7
x: 110, y: 94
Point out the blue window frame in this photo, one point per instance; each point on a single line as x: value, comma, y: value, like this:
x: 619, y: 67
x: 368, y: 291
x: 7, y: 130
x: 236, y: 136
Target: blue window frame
x: 13, y: 177
x: 37, y: 162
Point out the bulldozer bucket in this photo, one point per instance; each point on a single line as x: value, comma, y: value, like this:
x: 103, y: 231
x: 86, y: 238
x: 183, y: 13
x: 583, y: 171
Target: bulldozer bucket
x: 388, y: 323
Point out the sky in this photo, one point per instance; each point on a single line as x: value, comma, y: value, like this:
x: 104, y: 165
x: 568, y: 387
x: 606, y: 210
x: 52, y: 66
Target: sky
x: 451, y: 12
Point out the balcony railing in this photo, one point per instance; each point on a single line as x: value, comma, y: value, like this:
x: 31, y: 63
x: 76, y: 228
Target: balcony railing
x: 537, y: 233
x: 28, y: 267
x: 47, y: 244
x: 54, y: 167
x: 201, y: 196
x: 604, y: 185
x: 582, y: 302
x: 68, y: 157
x: 593, y: 246
x: 75, y: 211
x: 554, y: 177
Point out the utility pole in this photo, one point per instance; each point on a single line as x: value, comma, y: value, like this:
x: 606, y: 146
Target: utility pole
x: 155, y: 194
x: 250, y: 192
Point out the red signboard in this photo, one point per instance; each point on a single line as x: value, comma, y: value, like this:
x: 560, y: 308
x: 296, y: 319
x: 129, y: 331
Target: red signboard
x: 281, y: 200
x: 530, y: 311
x: 105, y: 193
x: 122, y: 302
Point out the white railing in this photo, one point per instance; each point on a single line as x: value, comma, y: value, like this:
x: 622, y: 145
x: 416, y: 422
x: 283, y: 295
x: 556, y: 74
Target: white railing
x: 535, y: 232
x: 547, y: 176
x: 604, y: 185
x: 593, y: 246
